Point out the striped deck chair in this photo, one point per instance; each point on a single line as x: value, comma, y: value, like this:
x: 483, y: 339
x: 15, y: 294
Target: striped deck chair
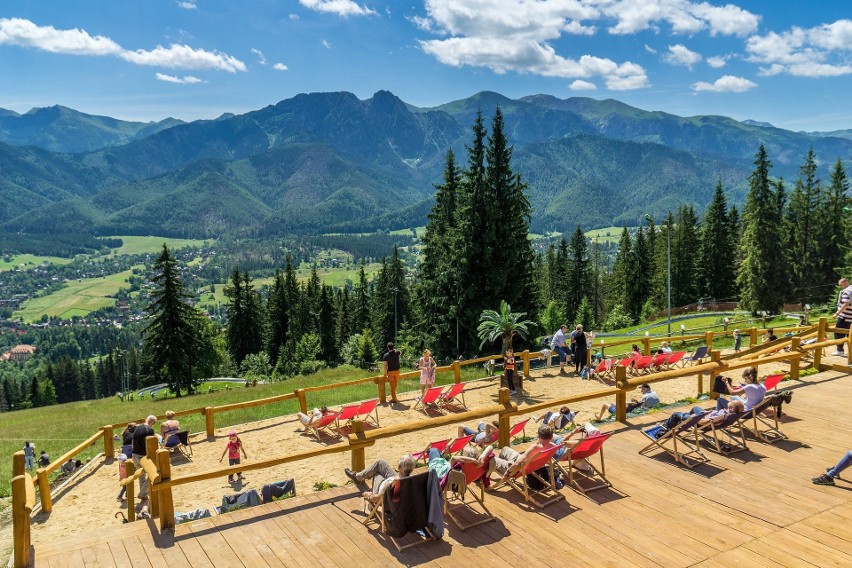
x: 459, y: 484
x: 642, y: 365
x: 324, y: 426
x: 724, y: 435
x: 367, y: 410
x: 675, y: 358
x: 345, y: 417
x: 428, y: 399
x: 539, y: 497
x: 759, y: 425
x: 453, y: 396
x: 681, y: 442
x: 586, y: 480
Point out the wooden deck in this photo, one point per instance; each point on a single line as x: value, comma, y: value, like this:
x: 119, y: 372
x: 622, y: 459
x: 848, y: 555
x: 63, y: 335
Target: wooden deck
x: 757, y: 508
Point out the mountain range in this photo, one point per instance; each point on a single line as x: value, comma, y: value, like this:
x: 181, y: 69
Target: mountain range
x: 329, y: 162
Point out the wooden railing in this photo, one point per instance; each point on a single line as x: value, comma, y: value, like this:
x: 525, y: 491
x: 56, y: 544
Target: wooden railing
x: 23, y: 502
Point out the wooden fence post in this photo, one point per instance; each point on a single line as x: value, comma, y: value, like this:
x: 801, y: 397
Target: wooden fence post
x: 795, y: 347
x: 503, y: 419
x: 823, y: 323
x: 164, y: 496
x: 18, y: 463
x: 130, y: 469
x: 210, y: 420
x: 526, y: 357
x: 151, y: 446
x: 359, y: 461
x: 646, y: 345
x: 21, y: 522
x: 44, y: 490
x: 457, y: 371
x: 621, y: 395
x: 752, y: 337
x: 708, y: 340
x: 109, y: 447
x: 303, y: 402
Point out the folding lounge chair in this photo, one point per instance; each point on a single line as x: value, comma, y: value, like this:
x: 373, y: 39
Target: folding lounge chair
x: 184, y: 447
x: 514, y: 431
x: 346, y: 414
x: 725, y: 435
x: 759, y: 426
x: 659, y: 361
x: 699, y: 355
x: 453, y: 396
x: 457, y: 445
x: 324, y: 426
x: 595, y: 478
x: 772, y: 381
x: 610, y: 368
x: 548, y: 494
x: 408, y: 513
x: 367, y: 410
x: 675, y: 358
x: 642, y: 364
x: 600, y: 370
x: 459, y: 485
x: 440, y: 445
x: 680, y: 442
x: 428, y: 399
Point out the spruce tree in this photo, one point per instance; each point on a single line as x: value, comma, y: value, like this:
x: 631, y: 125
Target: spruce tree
x: 278, y: 318
x: 716, y: 266
x: 835, y: 229
x: 620, y: 287
x: 361, y: 307
x: 244, y: 331
x: 578, y: 276
x: 759, y: 273
x: 685, y: 245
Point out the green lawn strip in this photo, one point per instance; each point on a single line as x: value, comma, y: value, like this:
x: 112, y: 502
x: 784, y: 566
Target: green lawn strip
x: 29, y: 261
x: 152, y: 245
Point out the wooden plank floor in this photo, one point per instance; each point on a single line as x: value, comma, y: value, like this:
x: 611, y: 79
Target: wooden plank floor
x: 757, y: 508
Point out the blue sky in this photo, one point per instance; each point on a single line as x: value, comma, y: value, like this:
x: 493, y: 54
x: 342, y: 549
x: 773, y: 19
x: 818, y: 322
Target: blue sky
x: 781, y: 61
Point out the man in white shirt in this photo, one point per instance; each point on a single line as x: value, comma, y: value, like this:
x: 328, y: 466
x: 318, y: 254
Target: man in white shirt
x: 558, y: 344
x: 844, y: 311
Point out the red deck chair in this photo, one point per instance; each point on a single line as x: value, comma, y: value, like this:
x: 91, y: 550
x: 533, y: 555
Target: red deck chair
x: 625, y: 362
x: 451, y: 396
x: 675, y: 358
x: 519, y: 427
x: 440, y: 445
x: 324, y: 426
x: 586, y: 448
x: 457, y: 445
x: 367, y: 409
x: 456, y: 490
x: 642, y: 364
x: 771, y: 382
x: 610, y: 368
x: 345, y: 417
x: 659, y: 361
x: 430, y: 398
x: 548, y: 494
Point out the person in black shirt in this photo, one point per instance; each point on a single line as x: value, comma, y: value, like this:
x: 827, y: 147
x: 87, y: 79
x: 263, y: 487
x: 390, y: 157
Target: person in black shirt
x: 391, y: 360
x: 141, y: 432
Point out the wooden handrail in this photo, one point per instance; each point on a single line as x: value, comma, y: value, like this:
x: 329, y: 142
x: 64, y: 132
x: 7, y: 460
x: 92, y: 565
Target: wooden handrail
x: 50, y: 468
x: 23, y: 502
x: 591, y: 395
x: 251, y: 403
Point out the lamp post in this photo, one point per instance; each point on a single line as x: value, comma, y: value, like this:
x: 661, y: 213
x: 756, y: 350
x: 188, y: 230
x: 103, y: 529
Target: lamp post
x: 668, y: 274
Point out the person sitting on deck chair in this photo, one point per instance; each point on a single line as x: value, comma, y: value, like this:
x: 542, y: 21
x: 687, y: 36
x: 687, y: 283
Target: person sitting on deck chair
x: 649, y: 399
x: 383, y: 476
x: 313, y: 418
x: 470, y: 454
x: 750, y: 394
x: 169, y: 429
x: 508, y: 461
x: 483, y: 434
x: 557, y: 420
x: 733, y: 407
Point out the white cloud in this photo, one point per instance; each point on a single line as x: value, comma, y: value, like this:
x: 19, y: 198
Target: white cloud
x: 261, y: 58
x: 679, y: 54
x: 185, y: 80
x: 187, y: 5
x: 717, y: 61
x: 343, y: 8
x: 683, y: 16
x: 517, y: 37
x: 24, y: 33
x: 650, y: 49
x: 279, y: 67
x: 725, y: 84
x: 325, y: 44
x: 821, y: 51
x: 580, y: 85
x: 294, y: 16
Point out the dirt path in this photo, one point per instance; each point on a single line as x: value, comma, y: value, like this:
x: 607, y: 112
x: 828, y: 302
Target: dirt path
x: 89, y: 503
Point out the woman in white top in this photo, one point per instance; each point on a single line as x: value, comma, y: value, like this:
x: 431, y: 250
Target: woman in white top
x: 750, y: 394
x: 427, y: 366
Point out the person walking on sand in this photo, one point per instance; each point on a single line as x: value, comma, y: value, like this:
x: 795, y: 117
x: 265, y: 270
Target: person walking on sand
x: 391, y: 362
x: 427, y: 366
x: 233, y: 449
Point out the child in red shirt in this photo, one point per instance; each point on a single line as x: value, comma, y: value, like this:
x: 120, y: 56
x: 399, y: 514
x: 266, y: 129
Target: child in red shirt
x: 235, y: 445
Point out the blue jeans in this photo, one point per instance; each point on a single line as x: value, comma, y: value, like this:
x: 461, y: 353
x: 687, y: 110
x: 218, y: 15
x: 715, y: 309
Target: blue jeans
x: 722, y: 402
x: 844, y: 462
x: 434, y: 453
x: 563, y: 355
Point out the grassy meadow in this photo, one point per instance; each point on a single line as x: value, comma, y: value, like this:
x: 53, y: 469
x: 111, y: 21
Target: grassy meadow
x: 152, y: 245
x: 78, y: 298
x: 606, y: 234
x: 30, y: 261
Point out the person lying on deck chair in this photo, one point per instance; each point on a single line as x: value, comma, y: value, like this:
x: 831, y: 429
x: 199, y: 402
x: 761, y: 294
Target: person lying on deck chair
x: 557, y: 420
x: 508, y: 461
x: 734, y: 407
x: 383, y: 476
x: 313, y: 418
x: 649, y: 399
x: 483, y: 434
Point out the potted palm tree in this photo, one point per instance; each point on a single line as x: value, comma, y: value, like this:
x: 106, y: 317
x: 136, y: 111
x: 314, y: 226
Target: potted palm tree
x: 505, y: 325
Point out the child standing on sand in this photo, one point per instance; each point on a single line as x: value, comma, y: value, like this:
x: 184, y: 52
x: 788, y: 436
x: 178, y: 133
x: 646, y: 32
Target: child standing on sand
x: 122, y: 475
x: 233, y: 449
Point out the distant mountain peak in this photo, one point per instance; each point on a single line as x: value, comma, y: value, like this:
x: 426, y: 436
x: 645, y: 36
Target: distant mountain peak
x: 751, y: 122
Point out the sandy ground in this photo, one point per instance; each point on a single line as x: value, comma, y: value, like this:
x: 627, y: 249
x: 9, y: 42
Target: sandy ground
x: 90, y: 502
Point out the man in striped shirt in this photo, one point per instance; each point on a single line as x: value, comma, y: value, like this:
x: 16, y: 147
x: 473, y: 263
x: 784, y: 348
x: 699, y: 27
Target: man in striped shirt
x: 844, y: 311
